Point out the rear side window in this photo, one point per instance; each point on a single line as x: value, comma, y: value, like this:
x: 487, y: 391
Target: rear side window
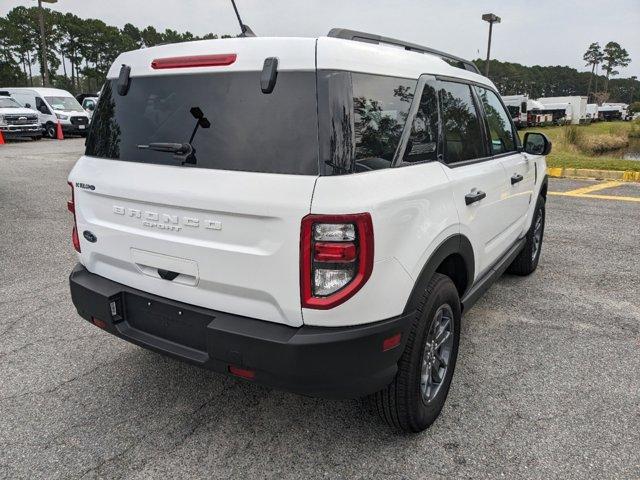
x: 423, y: 141
x: 500, y: 130
x: 250, y: 131
x: 463, y: 138
x: 381, y: 107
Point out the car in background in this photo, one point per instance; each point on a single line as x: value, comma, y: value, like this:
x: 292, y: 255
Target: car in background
x: 17, y: 121
x: 89, y: 104
x: 53, y: 106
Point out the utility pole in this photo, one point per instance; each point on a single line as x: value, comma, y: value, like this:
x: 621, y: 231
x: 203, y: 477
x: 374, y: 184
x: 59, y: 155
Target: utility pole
x: 491, y: 18
x: 43, y: 42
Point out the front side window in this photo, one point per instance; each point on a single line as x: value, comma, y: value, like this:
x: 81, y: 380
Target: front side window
x: 500, y: 130
x: 423, y: 142
x: 463, y: 139
x: 381, y: 107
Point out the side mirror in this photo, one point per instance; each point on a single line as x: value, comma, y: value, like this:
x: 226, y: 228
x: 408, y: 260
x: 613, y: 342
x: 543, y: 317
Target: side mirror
x: 537, y: 143
x: 27, y: 105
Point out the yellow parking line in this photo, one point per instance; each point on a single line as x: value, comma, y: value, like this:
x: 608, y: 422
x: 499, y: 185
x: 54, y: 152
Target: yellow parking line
x: 600, y: 197
x: 593, y: 188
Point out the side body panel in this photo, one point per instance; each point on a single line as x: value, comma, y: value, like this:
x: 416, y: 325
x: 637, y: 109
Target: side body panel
x: 412, y: 212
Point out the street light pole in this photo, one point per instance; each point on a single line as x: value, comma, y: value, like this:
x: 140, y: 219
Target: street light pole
x: 491, y: 18
x: 43, y: 42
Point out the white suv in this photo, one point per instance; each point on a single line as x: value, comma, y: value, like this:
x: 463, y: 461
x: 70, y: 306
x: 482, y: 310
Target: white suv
x: 310, y: 214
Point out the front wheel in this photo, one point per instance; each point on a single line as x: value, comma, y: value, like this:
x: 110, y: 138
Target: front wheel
x: 527, y: 260
x: 414, y: 399
x: 51, y: 130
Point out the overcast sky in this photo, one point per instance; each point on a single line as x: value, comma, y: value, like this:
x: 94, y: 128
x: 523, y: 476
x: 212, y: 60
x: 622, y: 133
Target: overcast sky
x: 541, y: 32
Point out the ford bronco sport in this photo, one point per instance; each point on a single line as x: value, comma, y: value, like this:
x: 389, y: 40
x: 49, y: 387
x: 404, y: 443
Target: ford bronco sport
x: 310, y: 214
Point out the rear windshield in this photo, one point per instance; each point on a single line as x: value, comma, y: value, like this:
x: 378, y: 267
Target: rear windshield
x: 249, y: 130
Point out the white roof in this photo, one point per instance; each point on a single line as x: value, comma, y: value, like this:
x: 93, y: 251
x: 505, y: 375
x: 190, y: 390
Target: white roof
x: 295, y: 53
x: 45, y: 92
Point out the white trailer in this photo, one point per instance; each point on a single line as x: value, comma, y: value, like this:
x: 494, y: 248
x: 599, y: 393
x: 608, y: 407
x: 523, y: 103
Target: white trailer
x: 518, y: 108
x: 592, y: 111
x: 576, y: 111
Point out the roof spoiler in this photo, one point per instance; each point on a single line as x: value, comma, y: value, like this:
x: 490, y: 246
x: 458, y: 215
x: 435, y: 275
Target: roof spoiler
x: 354, y: 35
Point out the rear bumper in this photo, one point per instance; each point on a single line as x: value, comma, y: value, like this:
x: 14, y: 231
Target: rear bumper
x: 334, y: 362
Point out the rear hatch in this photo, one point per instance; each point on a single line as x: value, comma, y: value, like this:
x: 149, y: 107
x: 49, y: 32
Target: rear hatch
x: 220, y: 228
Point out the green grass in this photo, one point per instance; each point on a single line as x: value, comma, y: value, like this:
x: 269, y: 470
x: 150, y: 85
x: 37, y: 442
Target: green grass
x: 566, y: 154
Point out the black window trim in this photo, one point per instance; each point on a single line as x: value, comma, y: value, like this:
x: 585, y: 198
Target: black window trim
x: 398, y: 161
x: 514, y: 132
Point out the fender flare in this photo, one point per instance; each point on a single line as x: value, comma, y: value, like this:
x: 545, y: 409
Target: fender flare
x: 455, y: 244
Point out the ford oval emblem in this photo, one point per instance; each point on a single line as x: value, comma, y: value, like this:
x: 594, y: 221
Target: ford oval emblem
x: 89, y: 236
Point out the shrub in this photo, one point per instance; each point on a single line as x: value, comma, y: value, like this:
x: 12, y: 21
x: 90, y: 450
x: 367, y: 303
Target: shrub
x: 634, y: 132
x: 572, y: 135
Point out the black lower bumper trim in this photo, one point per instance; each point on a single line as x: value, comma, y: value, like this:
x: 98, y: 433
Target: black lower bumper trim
x: 334, y: 362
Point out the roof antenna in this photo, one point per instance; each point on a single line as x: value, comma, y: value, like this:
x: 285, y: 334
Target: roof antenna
x: 246, y: 31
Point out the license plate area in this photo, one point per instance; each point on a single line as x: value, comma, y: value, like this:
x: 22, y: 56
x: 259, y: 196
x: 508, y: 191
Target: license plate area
x: 167, y: 321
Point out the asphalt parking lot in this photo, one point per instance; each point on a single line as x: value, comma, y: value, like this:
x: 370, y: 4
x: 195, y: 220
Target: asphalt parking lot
x: 547, y: 383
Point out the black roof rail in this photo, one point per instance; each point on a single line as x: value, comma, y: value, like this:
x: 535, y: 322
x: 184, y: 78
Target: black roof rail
x: 413, y: 47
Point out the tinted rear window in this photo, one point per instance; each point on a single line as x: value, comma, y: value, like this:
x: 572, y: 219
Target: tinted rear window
x: 250, y: 130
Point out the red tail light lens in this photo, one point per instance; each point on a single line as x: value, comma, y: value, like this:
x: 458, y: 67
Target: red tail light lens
x: 218, y: 60
x: 336, y: 258
x: 71, y: 206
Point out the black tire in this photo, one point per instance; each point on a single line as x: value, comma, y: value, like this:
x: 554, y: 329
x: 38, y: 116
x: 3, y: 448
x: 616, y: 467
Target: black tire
x: 402, y: 404
x: 51, y: 130
x: 527, y: 260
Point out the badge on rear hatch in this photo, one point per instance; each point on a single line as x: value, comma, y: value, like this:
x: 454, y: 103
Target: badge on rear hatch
x: 165, y: 221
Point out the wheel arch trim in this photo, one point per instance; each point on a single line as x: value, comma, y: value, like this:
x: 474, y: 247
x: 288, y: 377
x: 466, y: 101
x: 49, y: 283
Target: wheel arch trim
x: 455, y: 244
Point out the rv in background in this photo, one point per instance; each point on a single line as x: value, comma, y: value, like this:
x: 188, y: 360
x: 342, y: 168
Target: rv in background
x: 574, y: 108
x: 527, y: 112
x: 614, y: 111
x: 517, y: 106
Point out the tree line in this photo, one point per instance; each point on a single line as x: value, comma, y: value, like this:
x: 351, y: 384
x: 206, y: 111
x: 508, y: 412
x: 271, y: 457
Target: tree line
x: 557, y: 81
x: 79, y: 51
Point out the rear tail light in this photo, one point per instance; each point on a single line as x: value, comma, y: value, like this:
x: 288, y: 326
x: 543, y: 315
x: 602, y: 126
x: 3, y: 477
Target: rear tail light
x: 71, y: 206
x: 217, y: 60
x: 336, y: 258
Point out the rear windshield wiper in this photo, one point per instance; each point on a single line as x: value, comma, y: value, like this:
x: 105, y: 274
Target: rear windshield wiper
x: 182, y: 151
x: 177, y: 148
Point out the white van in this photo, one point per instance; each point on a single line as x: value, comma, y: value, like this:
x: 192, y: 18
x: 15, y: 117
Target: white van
x: 53, y: 106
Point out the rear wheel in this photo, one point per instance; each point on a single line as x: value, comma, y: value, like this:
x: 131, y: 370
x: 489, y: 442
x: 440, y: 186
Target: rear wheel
x: 527, y: 260
x: 416, y: 396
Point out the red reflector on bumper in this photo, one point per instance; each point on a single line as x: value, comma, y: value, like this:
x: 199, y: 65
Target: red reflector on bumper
x: 194, y: 61
x: 99, y: 323
x: 242, y: 372
x: 391, y: 342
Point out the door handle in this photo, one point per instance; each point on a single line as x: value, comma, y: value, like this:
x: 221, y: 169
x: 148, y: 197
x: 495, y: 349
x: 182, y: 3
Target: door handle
x: 515, y: 178
x: 474, y: 196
